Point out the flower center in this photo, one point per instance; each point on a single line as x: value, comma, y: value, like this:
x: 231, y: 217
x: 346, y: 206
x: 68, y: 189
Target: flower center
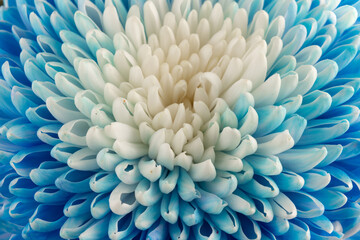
x: 184, y: 76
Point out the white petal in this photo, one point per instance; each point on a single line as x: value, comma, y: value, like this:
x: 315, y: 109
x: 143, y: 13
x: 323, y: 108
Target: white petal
x: 228, y: 162
x: 249, y: 122
x: 204, y: 171
x: 162, y: 120
x: 97, y: 140
x: 262, y: 95
x: 211, y: 135
x: 141, y: 114
x: 112, y: 75
x: 178, y: 142
x: 228, y: 140
x: 91, y: 76
x: 135, y: 31
x: 122, y: 111
x: 156, y: 140
x: 83, y: 160
x: 166, y: 156
x: 155, y: 100
x: 255, y: 68
x: 195, y: 148
x: 241, y: 20
x: 146, y: 132
x: 275, y: 143
x: 232, y: 73
x: 274, y: 49
x: 233, y: 92
x: 122, y: 199
x: 247, y: 147
x: 111, y: 92
x: 129, y: 150
x: 75, y: 132
x: 183, y: 160
x: 123, y: 132
x: 111, y: 21
x: 151, y: 18
x: 150, y: 169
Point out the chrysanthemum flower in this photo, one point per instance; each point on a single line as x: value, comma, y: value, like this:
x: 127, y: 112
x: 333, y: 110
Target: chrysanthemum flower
x: 179, y: 119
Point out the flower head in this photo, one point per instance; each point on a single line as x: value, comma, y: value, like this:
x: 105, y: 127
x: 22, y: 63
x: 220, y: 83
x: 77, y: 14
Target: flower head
x: 181, y: 119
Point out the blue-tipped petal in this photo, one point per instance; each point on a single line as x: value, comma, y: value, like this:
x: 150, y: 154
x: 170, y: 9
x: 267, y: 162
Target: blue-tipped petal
x: 147, y: 193
x: 158, y: 231
x: 322, y: 223
x: 84, y: 160
x: 206, y: 230
x: 128, y: 172
x: 121, y: 226
x: 246, y: 174
x: 63, y: 109
x: 23, y: 135
x: 26, y: 160
x: 62, y: 151
x: 327, y: 70
x: 39, y: 116
x: 241, y: 203
x: 310, y: 157
x: 265, y: 165
x: 270, y: 118
x: 22, y: 208
x: 314, y: 104
x: 74, y: 181
x: 289, y: 181
x: 83, y: 23
x: 333, y: 153
x: 307, y: 206
x: 315, y: 180
x: 33, y: 72
x: 47, y: 218
x: 49, y: 134
x: 348, y: 112
x: 319, y: 131
x: 186, y: 187
x: 23, y: 187
x: 264, y: 211
x: 145, y: 217
x: 190, y: 213
x: 248, y: 229
x: 261, y: 186
x: 210, y: 203
x: 298, y: 230
x: 99, y: 207
x: 74, y: 226
x: 23, y: 98
x: 340, y: 181
x: 107, y: 159
x: 179, y: 231
x: 223, y: 185
x: 14, y: 76
x: 283, y: 207
x: 51, y: 195
x: 96, y: 40
x: 104, y: 182
x: 78, y: 205
x: 226, y: 221
x: 331, y: 199
x: 170, y: 207
x: 47, y: 172
x: 278, y: 226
